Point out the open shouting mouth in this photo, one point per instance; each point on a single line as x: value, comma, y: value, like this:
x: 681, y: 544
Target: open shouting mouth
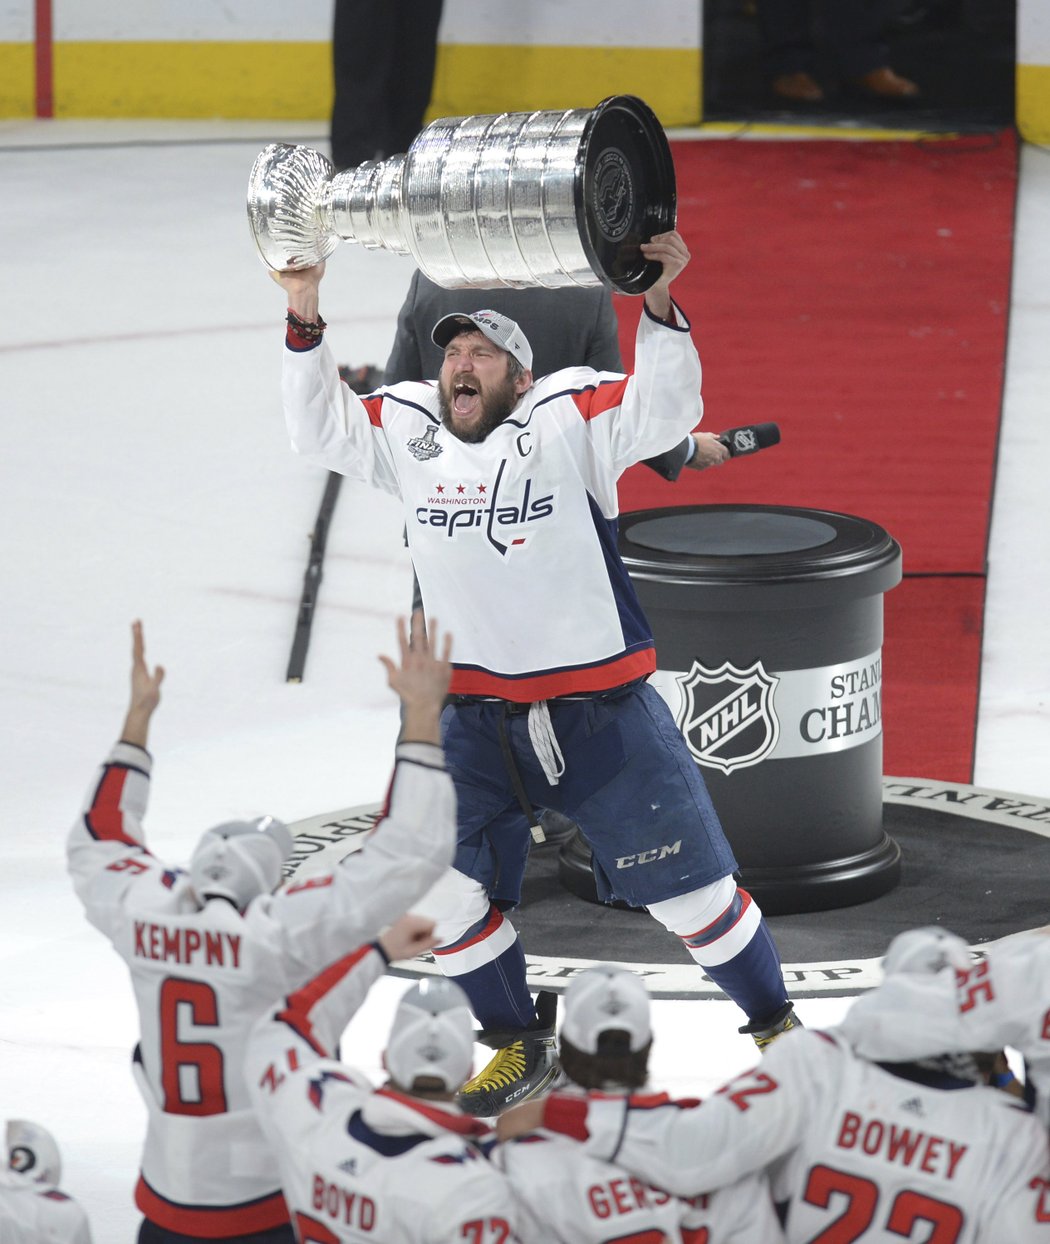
x: 466, y: 400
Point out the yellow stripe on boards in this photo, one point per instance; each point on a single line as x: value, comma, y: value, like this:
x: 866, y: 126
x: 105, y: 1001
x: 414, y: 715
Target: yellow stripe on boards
x: 834, y: 133
x: 1033, y: 103
x: 243, y: 80
x: 476, y: 80
x: 293, y: 81
x: 231, y: 80
x: 17, y: 80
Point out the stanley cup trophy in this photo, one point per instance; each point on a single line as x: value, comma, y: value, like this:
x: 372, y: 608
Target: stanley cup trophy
x: 519, y: 199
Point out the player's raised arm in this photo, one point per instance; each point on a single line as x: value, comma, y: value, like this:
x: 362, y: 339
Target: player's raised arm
x: 412, y: 843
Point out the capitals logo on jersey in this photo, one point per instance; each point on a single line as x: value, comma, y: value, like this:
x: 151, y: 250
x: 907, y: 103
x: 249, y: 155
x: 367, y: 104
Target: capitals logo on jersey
x: 728, y: 719
x: 500, y: 515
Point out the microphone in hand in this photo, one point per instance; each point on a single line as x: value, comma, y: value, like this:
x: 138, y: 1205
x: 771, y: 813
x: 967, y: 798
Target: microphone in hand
x: 750, y: 439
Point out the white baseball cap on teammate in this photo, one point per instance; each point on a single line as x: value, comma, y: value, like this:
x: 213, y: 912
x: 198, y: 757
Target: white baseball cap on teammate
x: 926, y: 951
x: 239, y: 860
x: 32, y: 1151
x: 432, y: 1035
x: 499, y: 329
x: 606, y: 998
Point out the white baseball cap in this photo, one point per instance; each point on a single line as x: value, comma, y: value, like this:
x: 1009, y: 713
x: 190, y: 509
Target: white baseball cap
x: 432, y: 1035
x: 32, y: 1151
x: 499, y: 329
x: 926, y: 951
x: 240, y: 860
x: 606, y: 998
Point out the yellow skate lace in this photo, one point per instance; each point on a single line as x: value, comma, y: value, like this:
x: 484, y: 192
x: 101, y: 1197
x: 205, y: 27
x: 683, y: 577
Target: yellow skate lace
x: 764, y: 1042
x: 507, y: 1066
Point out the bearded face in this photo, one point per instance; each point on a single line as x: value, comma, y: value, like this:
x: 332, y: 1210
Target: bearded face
x: 475, y: 390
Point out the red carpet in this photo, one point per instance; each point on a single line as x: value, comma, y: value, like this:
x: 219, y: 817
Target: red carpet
x: 857, y: 294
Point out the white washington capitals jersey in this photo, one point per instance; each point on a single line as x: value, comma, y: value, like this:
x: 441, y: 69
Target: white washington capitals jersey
x: 202, y: 976
x: 35, y: 1213
x: 567, y: 1196
x: 359, y: 1163
x: 513, y: 539
x: 1002, y: 1000
x: 855, y: 1153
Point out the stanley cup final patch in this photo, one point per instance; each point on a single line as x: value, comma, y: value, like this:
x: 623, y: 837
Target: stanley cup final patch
x: 728, y: 719
x: 424, y: 447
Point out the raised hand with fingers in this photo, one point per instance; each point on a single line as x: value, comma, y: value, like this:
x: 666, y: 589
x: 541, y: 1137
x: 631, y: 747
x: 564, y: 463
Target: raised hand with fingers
x: 145, y: 690
x: 421, y: 678
x: 301, y: 285
x: 669, y: 250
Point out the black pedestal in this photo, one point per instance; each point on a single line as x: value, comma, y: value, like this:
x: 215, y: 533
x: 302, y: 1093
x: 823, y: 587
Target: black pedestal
x: 768, y: 628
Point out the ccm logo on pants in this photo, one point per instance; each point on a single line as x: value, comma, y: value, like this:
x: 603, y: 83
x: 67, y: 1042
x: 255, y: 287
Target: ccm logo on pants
x: 647, y: 857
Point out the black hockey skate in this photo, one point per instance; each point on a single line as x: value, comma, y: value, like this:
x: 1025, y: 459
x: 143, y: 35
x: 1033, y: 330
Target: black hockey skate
x: 525, y: 1064
x: 765, y: 1032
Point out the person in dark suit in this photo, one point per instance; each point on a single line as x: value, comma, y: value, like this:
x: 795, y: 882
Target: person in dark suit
x: 849, y: 34
x: 383, y: 57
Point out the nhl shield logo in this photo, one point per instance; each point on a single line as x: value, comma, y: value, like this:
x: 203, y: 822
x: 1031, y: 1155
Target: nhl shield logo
x: 728, y: 720
x: 424, y: 447
x: 744, y: 441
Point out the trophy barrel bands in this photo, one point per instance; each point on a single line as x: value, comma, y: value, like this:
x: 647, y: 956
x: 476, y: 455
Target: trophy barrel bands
x: 491, y: 201
x: 541, y: 184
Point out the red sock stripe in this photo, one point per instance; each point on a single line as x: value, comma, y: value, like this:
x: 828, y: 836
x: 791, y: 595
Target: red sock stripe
x: 495, y: 919
x: 720, y: 926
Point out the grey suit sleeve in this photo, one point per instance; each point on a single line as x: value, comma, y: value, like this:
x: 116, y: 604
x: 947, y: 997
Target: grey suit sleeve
x: 669, y: 464
x: 405, y: 361
x: 603, y: 349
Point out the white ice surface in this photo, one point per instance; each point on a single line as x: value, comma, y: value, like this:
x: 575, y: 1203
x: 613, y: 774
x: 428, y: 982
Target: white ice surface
x: 146, y: 474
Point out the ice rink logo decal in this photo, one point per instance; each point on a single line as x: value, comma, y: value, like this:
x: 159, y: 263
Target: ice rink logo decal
x: 727, y: 715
